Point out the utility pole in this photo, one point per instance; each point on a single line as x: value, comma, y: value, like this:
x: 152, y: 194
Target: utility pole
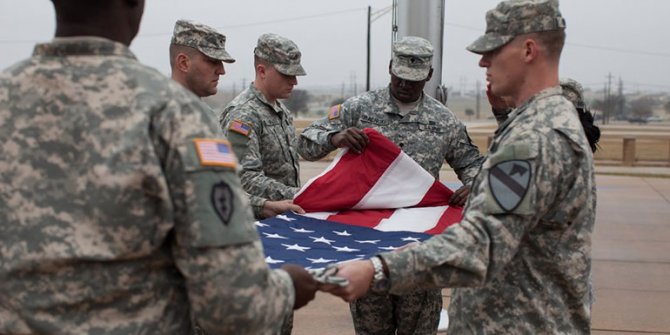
x: 367, y: 77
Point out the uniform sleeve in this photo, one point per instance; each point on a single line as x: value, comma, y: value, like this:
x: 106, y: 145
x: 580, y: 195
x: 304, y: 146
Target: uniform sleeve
x: 314, y: 142
x: 463, y: 156
x: 215, y: 246
x: 256, y: 203
x: 472, y: 252
x: 247, y: 147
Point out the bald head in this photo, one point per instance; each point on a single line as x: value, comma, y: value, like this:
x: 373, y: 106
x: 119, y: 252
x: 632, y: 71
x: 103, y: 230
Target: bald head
x: 118, y: 20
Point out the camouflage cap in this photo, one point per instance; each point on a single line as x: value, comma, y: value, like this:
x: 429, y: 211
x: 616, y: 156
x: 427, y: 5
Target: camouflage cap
x: 573, y: 91
x: 412, y: 58
x: 202, y: 38
x: 281, y: 52
x: 512, y: 18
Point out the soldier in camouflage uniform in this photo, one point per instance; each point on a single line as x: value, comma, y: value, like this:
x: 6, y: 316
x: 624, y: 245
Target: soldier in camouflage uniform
x: 429, y: 133
x: 121, y: 208
x: 260, y: 127
x: 520, y: 259
x: 197, y: 53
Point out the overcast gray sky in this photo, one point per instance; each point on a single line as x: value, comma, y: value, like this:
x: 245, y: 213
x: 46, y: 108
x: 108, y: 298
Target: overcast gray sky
x: 628, y: 38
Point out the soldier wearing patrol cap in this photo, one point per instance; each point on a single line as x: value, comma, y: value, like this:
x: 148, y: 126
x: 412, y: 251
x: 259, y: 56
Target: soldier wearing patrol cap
x: 520, y: 259
x: 260, y: 127
x: 429, y: 133
x: 117, y: 215
x: 197, y: 54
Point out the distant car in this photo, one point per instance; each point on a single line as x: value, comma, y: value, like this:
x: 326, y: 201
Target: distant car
x: 637, y: 119
x: 655, y: 118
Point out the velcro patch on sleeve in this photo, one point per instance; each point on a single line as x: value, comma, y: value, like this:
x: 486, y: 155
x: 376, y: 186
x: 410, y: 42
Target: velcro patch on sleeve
x: 240, y: 127
x: 334, y: 112
x: 215, y: 152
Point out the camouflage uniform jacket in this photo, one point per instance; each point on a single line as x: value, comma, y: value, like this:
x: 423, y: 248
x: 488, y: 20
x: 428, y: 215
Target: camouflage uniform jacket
x: 111, y: 221
x: 429, y: 135
x: 521, y: 256
x: 267, y: 153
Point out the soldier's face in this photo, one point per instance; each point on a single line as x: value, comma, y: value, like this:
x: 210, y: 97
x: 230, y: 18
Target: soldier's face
x: 406, y: 90
x: 504, y: 68
x: 280, y: 86
x: 203, y: 75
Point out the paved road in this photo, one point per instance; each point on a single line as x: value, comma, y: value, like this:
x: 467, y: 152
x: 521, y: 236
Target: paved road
x: 631, y: 252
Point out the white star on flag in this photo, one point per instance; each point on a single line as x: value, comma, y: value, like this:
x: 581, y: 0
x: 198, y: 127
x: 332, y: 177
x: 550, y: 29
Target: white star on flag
x: 270, y: 260
x: 341, y: 233
x: 274, y: 236
x: 346, y: 249
x: 284, y: 217
x: 321, y: 260
x: 296, y: 247
x: 322, y: 240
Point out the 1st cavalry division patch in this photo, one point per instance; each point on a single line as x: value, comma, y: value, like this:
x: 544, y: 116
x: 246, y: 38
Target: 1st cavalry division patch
x: 509, y: 182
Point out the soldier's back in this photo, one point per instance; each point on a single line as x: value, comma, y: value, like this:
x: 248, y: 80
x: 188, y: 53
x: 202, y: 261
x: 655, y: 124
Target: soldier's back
x: 85, y: 206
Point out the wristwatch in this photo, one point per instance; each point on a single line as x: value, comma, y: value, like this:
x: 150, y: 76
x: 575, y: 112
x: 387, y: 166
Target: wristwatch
x: 380, y: 283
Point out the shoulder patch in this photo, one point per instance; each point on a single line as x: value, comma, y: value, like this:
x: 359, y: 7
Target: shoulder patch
x: 222, y: 201
x: 334, y: 112
x: 509, y: 182
x: 215, y: 152
x: 240, y: 127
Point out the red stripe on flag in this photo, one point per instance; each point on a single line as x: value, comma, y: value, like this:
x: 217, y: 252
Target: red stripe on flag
x: 364, y: 218
x: 451, y: 216
x: 437, y: 195
x: 351, y: 167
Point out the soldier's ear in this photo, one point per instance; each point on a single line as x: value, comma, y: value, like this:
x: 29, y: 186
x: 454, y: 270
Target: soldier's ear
x: 183, y: 62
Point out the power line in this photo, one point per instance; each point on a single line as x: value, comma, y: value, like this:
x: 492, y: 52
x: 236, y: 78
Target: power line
x: 579, y: 45
x: 259, y: 23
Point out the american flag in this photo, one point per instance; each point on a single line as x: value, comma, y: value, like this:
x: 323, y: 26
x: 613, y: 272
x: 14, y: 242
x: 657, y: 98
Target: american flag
x: 314, y: 243
x: 240, y: 127
x: 215, y: 152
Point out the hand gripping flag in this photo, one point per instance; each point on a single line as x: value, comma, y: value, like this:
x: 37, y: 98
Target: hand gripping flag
x: 380, y: 190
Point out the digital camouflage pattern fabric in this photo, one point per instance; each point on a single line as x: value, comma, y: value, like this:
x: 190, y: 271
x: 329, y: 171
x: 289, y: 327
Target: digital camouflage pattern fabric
x: 281, y: 52
x: 520, y: 259
x: 412, y: 58
x: 202, y: 38
x: 430, y: 135
x: 267, y: 152
x: 517, y: 17
x: 111, y: 223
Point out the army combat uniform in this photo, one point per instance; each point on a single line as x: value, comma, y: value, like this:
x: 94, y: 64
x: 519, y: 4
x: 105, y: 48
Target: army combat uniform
x: 522, y: 253
x: 430, y: 135
x: 263, y: 137
x: 121, y: 208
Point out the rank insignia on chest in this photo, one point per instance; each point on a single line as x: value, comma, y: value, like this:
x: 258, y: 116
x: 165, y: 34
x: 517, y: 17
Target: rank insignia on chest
x: 215, y: 152
x: 240, y: 127
x: 334, y: 112
x: 509, y: 182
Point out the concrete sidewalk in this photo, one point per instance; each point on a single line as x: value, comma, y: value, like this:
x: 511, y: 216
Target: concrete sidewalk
x: 631, y: 253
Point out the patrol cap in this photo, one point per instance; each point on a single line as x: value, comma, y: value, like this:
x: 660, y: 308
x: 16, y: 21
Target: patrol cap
x: 573, y: 91
x: 512, y: 18
x: 412, y: 58
x: 202, y: 38
x: 281, y: 52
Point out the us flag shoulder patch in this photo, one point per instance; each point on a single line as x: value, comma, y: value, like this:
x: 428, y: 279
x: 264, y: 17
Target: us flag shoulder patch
x: 215, y: 152
x: 334, y: 112
x: 240, y: 127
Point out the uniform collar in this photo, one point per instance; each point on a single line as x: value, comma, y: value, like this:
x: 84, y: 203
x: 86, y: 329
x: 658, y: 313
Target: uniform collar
x: 277, y: 108
x: 523, y: 109
x: 82, y: 46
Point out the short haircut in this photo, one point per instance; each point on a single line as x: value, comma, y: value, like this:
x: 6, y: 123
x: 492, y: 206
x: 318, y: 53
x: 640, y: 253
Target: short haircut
x: 80, y: 10
x: 552, y: 41
x: 176, y: 49
x: 258, y: 60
